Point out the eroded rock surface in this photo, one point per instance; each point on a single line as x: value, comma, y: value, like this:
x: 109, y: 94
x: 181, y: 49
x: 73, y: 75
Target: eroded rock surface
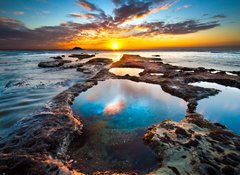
x: 194, y: 146
x: 94, y: 65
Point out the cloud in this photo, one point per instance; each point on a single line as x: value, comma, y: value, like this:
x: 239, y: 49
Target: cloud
x: 14, y: 34
x: 87, y: 5
x: 132, y: 10
x: 183, y: 7
x: 100, y: 28
x: 45, y: 11
x: 167, y: 5
x: 185, y: 27
x: 19, y: 13
x: 220, y: 16
x: 117, y: 2
x: 88, y: 15
x: 128, y: 10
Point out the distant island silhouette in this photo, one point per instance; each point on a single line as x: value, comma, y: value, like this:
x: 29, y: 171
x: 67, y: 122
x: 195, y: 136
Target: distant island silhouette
x: 77, y: 48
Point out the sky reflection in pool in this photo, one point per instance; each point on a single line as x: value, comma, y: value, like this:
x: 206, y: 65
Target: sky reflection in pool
x: 115, y: 115
x: 223, y: 108
x: 124, y: 71
x: 128, y: 104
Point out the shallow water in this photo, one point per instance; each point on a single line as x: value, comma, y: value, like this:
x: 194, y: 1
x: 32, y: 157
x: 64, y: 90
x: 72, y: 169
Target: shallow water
x: 126, y: 71
x: 116, y: 114
x: 24, y: 87
x: 223, y: 108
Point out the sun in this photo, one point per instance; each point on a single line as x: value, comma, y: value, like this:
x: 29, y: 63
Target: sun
x: 115, y: 45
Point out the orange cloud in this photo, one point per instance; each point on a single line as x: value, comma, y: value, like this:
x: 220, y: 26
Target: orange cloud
x: 89, y: 15
x: 88, y: 6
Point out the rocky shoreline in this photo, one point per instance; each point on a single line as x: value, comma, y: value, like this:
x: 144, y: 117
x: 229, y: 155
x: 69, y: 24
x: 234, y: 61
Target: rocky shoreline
x: 39, y: 144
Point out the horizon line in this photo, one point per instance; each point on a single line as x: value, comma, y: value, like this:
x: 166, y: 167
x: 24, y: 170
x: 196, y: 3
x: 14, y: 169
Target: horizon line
x: 162, y: 48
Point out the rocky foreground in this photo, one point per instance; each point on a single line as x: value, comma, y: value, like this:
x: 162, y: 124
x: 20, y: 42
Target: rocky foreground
x: 39, y: 144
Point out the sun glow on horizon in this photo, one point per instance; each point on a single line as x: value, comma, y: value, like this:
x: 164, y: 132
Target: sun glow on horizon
x: 115, y: 45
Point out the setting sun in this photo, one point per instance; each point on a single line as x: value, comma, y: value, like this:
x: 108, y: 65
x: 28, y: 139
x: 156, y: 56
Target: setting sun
x: 115, y: 45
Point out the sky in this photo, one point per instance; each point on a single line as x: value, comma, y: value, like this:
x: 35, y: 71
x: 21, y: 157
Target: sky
x: 118, y: 24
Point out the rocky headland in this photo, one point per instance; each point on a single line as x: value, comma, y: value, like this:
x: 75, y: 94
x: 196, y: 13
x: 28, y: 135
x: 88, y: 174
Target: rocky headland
x: 39, y: 144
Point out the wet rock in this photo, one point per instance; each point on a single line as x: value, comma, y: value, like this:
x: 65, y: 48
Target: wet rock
x: 81, y: 56
x: 12, y: 83
x: 178, y: 148
x: 201, y: 69
x: 57, y: 58
x: 56, y: 63
x: 220, y: 125
x: 192, y: 105
x: 228, y: 170
x: 94, y: 65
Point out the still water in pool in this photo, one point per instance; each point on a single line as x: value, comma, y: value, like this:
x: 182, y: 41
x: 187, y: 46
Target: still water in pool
x: 116, y: 114
x: 223, y: 108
